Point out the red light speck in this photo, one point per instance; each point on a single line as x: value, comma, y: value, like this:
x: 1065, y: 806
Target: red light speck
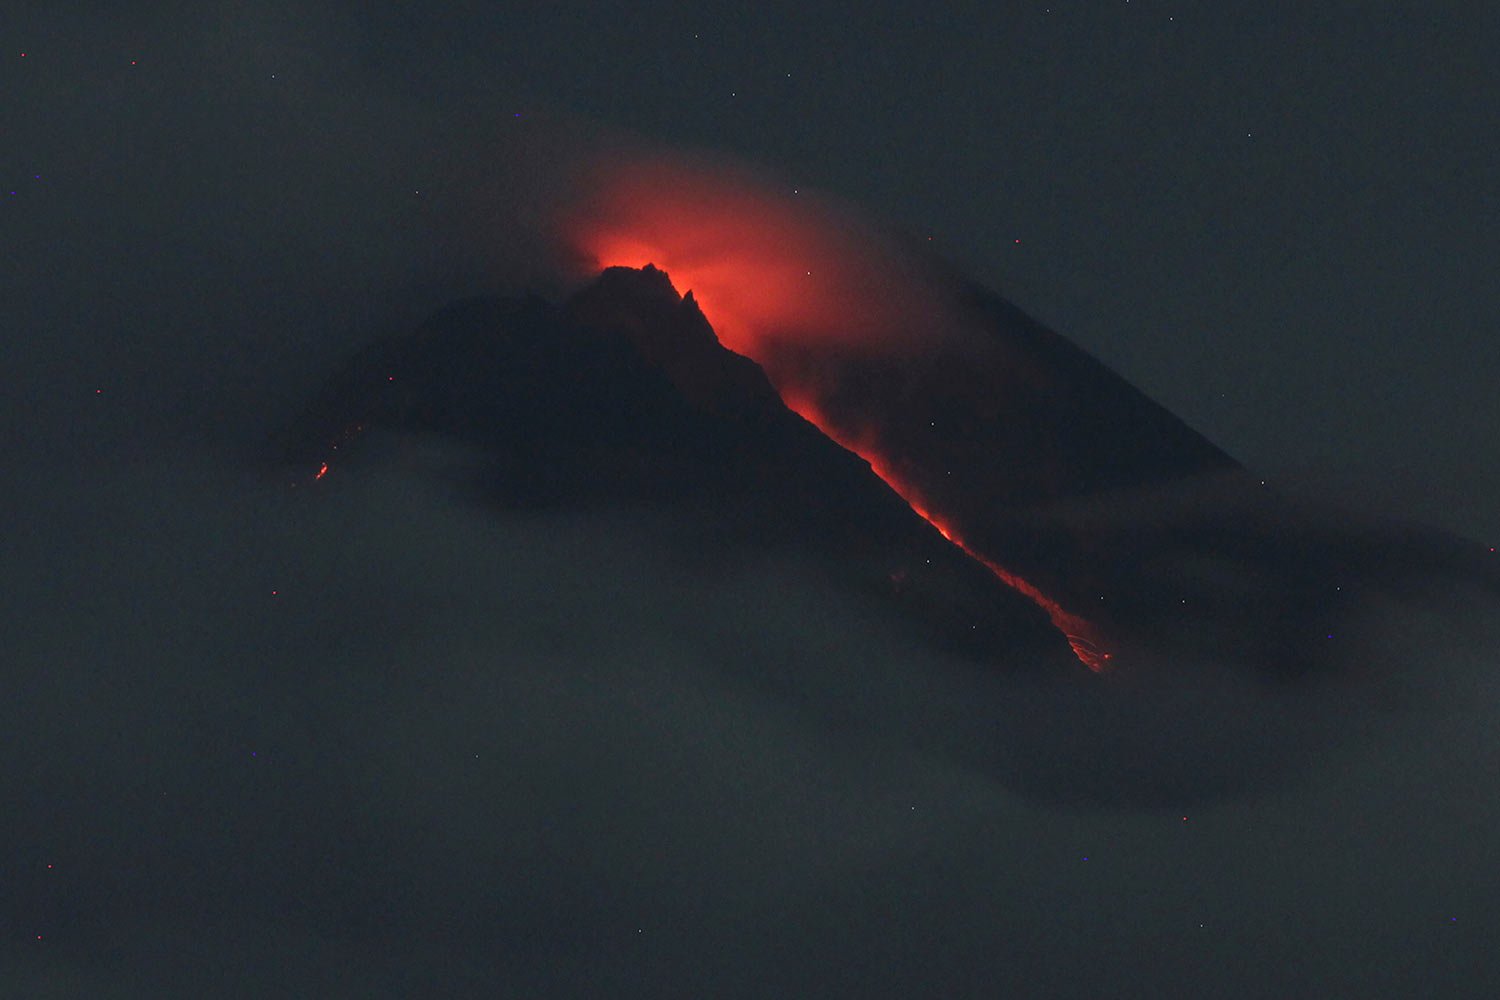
x: 322, y: 471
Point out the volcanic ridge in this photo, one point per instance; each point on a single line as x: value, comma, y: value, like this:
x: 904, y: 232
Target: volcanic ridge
x: 1017, y: 495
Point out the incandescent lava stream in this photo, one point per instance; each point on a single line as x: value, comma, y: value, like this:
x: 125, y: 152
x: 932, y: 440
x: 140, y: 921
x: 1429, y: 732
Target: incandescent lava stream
x: 979, y: 417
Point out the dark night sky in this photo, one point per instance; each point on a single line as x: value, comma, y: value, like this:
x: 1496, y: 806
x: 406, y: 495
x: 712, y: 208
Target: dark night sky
x: 461, y: 753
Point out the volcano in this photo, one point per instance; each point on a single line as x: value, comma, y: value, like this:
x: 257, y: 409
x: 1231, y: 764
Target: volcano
x: 1004, y: 492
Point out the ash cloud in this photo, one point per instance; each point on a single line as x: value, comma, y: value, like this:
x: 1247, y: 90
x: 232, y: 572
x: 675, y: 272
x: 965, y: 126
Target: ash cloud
x: 560, y: 752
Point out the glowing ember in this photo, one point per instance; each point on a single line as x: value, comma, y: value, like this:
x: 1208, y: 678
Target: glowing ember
x: 322, y: 471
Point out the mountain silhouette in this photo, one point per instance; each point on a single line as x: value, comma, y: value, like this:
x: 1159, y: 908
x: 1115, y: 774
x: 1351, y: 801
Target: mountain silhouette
x: 1085, y: 516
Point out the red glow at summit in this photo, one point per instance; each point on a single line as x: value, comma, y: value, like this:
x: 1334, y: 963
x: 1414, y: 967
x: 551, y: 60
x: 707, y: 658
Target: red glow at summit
x: 772, y: 272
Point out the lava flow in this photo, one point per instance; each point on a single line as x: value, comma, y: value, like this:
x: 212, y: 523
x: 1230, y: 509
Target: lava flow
x: 790, y: 282
x: 1081, y: 634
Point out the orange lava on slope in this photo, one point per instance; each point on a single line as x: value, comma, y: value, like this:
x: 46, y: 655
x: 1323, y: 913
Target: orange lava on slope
x: 769, y: 272
x: 1080, y: 633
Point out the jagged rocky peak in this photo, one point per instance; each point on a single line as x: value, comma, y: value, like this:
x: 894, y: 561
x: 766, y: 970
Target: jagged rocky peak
x: 671, y: 333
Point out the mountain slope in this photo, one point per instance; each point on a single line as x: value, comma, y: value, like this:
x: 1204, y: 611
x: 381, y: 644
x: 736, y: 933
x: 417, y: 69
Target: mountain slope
x: 623, y: 396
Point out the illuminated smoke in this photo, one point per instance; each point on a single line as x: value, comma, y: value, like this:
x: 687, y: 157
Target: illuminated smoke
x: 770, y: 269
